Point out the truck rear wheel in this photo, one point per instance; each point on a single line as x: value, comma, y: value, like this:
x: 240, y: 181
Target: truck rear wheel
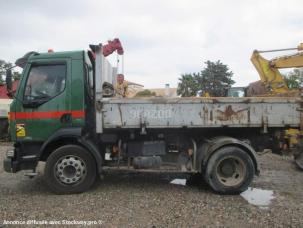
x: 70, y: 169
x: 229, y: 170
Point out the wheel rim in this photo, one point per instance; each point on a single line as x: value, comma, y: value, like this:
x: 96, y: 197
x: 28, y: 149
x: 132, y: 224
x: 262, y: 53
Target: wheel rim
x: 70, y: 169
x: 231, y: 171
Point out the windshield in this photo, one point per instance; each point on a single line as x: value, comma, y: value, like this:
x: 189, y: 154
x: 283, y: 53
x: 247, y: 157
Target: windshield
x: 45, y: 82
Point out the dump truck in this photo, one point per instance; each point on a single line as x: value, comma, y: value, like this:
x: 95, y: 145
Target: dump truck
x: 65, y: 114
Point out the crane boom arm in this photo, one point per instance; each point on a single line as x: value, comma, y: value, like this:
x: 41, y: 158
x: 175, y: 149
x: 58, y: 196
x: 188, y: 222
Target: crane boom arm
x: 111, y: 46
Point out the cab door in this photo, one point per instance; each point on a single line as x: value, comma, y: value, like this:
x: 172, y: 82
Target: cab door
x: 44, y: 98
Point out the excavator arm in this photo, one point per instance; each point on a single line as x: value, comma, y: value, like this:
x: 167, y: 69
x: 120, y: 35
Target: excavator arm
x: 274, y: 81
x: 269, y: 69
x: 288, y: 61
x: 270, y: 76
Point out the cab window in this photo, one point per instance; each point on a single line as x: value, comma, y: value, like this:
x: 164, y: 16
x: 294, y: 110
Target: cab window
x: 45, y: 82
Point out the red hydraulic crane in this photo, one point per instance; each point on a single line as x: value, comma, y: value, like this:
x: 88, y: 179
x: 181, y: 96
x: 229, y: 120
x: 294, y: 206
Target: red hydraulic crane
x: 113, y: 45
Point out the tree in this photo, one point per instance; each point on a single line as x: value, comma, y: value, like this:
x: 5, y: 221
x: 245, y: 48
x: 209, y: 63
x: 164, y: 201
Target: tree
x: 16, y: 75
x: 188, y: 87
x: 215, y: 79
x: 294, y: 79
x: 3, y: 68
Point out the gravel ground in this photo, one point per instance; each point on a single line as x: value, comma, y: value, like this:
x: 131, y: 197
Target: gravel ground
x: 148, y: 200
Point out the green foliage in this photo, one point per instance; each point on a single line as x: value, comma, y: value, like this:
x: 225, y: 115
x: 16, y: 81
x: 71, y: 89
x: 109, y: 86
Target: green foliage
x: 3, y: 67
x: 188, y: 85
x: 145, y: 93
x: 215, y: 78
x: 293, y: 79
x: 16, y: 75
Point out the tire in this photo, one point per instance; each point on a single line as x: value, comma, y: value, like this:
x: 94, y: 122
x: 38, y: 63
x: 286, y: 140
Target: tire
x: 230, y: 170
x: 70, y: 169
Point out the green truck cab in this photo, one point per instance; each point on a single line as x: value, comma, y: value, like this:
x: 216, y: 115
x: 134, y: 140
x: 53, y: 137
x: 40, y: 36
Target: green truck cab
x: 49, y: 106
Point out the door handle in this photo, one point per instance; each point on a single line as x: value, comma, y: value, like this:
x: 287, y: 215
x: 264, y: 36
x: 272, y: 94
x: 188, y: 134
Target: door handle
x: 66, y: 118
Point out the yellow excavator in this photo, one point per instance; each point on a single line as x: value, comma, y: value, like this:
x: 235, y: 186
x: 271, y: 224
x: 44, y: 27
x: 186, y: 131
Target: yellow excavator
x: 275, y: 85
x: 269, y: 72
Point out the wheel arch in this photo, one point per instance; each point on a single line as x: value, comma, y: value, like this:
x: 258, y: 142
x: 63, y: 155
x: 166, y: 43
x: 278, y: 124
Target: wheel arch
x: 69, y: 136
x: 208, y: 148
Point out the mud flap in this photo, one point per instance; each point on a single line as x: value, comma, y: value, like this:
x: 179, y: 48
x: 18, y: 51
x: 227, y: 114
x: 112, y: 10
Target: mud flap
x: 299, y: 161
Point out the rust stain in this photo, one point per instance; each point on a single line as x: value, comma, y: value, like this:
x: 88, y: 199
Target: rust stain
x: 204, y: 114
x: 230, y: 114
x: 248, y: 100
x: 248, y: 115
x: 120, y: 112
x: 215, y: 100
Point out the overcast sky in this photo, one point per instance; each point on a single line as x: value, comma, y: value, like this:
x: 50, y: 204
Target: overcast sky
x: 162, y: 39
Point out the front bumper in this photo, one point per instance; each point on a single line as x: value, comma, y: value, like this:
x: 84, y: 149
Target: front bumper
x: 13, y: 162
x: 8, y: 161
x: 7, y: 165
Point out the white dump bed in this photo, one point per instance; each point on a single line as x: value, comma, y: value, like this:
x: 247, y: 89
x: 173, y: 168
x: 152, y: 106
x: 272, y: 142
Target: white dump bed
x: 200, y: 112
x: 189, y: 112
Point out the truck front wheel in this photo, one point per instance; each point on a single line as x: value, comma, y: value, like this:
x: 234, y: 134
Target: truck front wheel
x: 229, y: 170
x: 70, y: 169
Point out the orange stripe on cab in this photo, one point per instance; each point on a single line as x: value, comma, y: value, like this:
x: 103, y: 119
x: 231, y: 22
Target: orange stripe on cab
x: 45, y: 115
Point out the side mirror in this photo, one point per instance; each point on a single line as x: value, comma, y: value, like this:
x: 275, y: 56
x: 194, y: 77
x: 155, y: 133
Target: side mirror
x: 9, y: 83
